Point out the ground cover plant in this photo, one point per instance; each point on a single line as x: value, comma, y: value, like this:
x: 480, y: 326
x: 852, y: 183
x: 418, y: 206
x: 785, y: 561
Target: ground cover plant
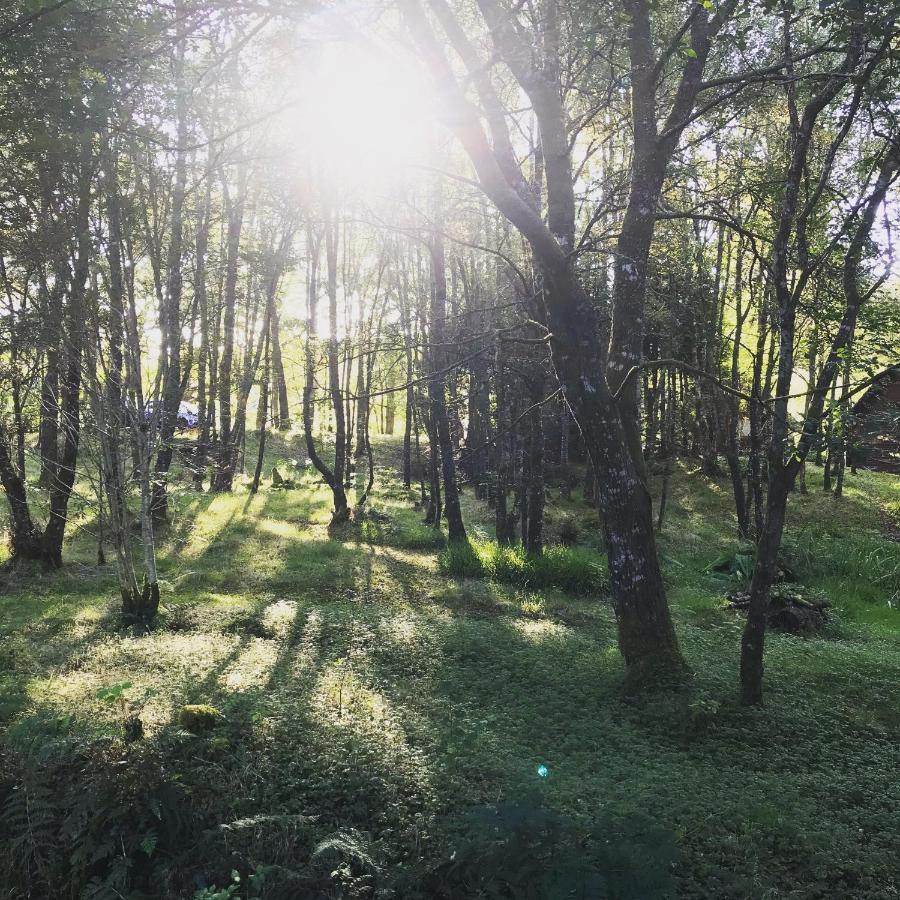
x: 449, y: 449
x: 377, y: 719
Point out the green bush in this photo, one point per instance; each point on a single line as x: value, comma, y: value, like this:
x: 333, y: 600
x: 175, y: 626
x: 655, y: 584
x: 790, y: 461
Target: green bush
x: 79, y: 820
x: 569, y: 531
x: 572, y: 569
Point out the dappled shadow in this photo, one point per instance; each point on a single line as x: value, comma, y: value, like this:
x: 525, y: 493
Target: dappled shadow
x: 363, y: 689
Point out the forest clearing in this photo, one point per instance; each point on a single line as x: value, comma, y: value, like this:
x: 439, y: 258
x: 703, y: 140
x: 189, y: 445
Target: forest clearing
x: 367, y: 693
x: 449, y: 449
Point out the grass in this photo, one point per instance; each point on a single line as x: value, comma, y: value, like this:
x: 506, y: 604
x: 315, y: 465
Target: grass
x: 573, y: 569
x: 377, y: 687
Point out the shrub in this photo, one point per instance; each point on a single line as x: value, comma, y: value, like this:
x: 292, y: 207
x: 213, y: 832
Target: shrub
x: 569, y: 531
x: 81, y: 821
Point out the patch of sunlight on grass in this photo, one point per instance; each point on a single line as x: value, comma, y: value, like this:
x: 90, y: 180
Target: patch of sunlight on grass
x: 347, y: 705
x: 188, y: 657
x: 308, y: 649
x: 62, y: 692
x: 342, y: 693
x: 280, y: 529
x: 533, y: 604
x: 399, y: 630
x: 252, y: 667
x: 426, y: 561
x: 61, y: 607
x: 75, y: 694
x: 218, y: 516
x: 224, y: 599
x: 278, y: 617
x: 540, y: 629
x: 90, y: 615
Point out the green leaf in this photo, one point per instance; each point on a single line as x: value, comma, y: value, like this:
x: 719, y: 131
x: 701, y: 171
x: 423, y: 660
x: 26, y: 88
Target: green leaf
x: 114, y: 691
x: 690, y: 53
x: 148, y: 844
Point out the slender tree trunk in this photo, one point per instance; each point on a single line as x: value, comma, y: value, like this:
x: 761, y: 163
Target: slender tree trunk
x: 785, y: 460
x: 504, y: 521
x: 280, y: 382
x: 170, y: 310
x: 224, y: 471
x: 48, y: 434
x: 203, y: 357
x: 263, y: 410
x: 535, y: 543
x: 437, y: 393
x: 334, y: 478
x: 341, y: 511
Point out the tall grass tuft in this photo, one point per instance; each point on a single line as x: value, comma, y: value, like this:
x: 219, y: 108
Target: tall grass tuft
x: 856, y: 556
x: 572, y: 569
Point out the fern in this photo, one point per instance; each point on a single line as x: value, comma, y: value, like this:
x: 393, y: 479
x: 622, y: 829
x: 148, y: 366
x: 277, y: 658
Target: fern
x: 85, y: 825
x: 30, y: 816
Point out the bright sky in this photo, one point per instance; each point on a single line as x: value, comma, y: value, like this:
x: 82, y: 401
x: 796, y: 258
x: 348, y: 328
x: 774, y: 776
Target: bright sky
x: 362, y: 116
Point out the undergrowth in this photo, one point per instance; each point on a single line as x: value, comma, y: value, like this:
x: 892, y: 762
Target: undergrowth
x: 576, y: 570
x: 384, y: 725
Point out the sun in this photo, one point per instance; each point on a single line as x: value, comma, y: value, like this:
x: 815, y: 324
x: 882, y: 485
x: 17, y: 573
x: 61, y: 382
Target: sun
x: 362, y: 118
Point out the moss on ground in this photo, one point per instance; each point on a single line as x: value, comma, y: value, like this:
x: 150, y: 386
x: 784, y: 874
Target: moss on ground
x: 361, y: 686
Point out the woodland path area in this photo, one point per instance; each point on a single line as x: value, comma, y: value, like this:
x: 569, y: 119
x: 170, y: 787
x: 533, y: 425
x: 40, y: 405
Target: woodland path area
x: 375, y: 709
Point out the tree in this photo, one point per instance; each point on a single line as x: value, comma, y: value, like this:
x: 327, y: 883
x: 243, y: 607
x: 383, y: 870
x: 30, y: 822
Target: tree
x: 611, y: 429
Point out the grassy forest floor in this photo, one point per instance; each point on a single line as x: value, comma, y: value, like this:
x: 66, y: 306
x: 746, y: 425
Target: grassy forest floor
x: 387, y: 726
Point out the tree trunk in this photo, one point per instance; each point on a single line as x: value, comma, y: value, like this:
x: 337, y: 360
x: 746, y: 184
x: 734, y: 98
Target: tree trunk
x: 334, y: 478
x: 535, y: 541
x: 170, y: 311
x: 25, y: 537
x: 437, y: 393
x: 48, y: 433
x: 784, y: 459
x: 280, y: 382
x: 223, y: 475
